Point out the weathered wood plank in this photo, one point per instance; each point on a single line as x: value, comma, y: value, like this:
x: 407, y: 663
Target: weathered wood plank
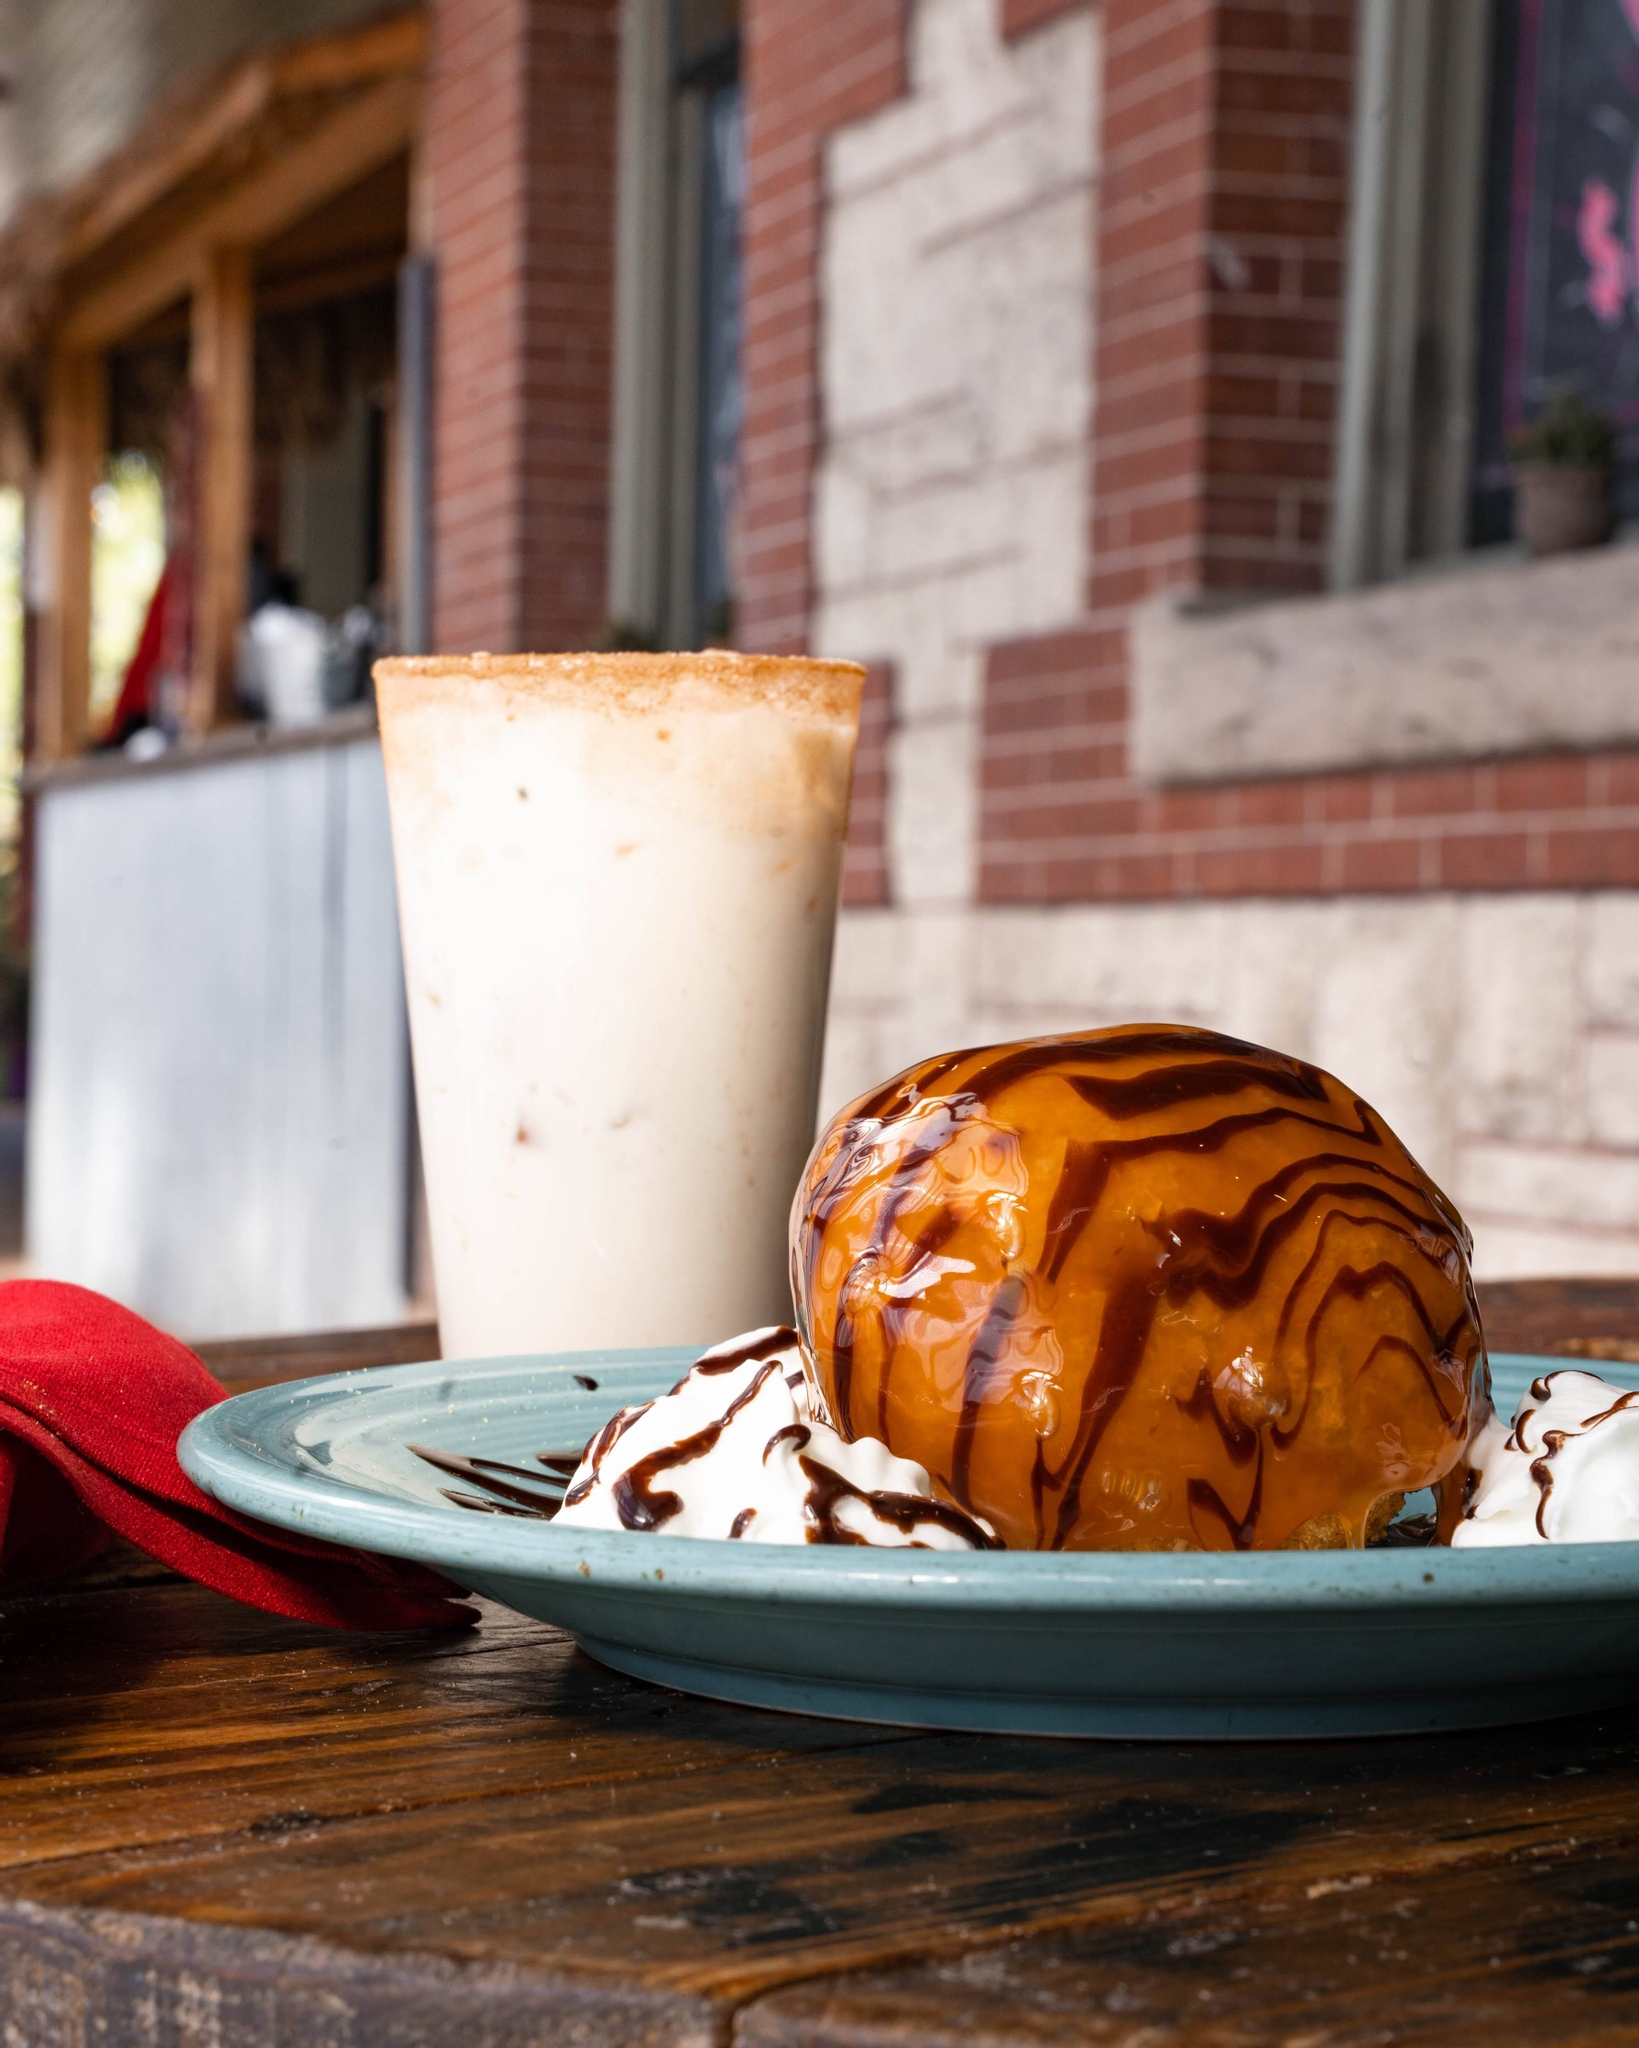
x: 70, y: 1979
x: 1567, y: 1317
x: 504, y: 1801
x: 216, y: 1826
x: 241, y: 1363
x: 1529, y: 1950
x: 734, y: 1880
x: 161, y: 1716
x: 366, y: 131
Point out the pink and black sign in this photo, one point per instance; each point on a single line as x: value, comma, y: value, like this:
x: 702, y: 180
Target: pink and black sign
x: 1573, y: 301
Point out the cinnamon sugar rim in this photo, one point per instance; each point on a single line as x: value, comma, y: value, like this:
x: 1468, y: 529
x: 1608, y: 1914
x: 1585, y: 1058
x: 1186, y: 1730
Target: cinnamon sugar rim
x: 639, y: 682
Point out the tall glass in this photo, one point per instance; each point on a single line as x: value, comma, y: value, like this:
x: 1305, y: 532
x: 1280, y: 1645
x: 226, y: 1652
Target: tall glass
x: 617, y: 888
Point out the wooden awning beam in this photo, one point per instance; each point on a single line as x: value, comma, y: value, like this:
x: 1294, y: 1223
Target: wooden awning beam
x: 352, y: 143
x: 221, y: 372
x: 225, y: 134
x: 183, y: 141
x: 75, y: 431
x: 177, y: 213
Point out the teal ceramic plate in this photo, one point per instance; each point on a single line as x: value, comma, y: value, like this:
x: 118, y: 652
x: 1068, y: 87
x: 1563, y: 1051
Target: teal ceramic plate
x: 1262, y: 1645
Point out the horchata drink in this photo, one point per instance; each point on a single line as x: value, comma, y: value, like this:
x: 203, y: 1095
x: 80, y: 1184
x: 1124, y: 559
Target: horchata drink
x: 617, y: 887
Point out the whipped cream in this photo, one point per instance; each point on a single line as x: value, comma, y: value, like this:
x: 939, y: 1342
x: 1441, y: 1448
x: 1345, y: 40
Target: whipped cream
x: 740, y: 1449
x: 1566, y: 1471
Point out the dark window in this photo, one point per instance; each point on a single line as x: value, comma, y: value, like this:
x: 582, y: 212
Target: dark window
x: 1560, y: 285
x: 717, y: 447
x: 706, y: 68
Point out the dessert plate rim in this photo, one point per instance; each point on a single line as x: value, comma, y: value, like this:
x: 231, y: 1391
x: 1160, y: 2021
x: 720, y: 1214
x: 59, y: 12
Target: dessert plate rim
x: 246, y: 1453
x: 1257, y: 1646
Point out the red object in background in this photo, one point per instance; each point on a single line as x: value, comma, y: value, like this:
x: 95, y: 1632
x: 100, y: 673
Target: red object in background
x: 136, y: 700
x: 92, y: 1401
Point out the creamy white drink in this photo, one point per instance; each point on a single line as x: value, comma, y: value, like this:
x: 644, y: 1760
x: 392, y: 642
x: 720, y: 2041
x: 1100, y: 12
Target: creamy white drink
x: 617, y: 885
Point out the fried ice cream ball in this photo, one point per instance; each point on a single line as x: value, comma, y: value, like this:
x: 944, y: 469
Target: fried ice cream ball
x: 1142, y: 1289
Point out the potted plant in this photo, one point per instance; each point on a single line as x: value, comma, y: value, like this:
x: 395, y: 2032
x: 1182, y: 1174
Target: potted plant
x: 1562, y: 476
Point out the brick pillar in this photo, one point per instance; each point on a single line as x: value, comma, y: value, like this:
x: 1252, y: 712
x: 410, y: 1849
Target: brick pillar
x: 1220, y: 278
x: 520, y: 175
x: 809, y: 66
x: 1222, y: 215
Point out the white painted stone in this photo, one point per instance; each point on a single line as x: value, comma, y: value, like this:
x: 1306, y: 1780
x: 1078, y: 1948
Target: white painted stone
x: 951, y: 499
x: 1113, y: 962
x: 1612, y: 967
x: 932, y: 828
x: 1465, y: 1020
x: 1506, y: 1251
x: 1500, y: 659
x: 854, y: 1059
x: 1613, y: 1088
x: 1271, y: 985
x: 1522, y: 1074
x: 866, y: 969
x: 1386, y: 1021
x: 937, y: 968
x: 951, y: 508
x: 1565, y: 1185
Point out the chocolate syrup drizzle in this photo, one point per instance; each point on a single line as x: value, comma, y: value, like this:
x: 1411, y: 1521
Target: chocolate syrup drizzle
x: 828, y: 1489
x: 764, y: 1344
x: 538, y: 1498
x: 639, y: 1503
x: 1225, y: 1259
x: 643, y: 1504
x: 1554, y: 1440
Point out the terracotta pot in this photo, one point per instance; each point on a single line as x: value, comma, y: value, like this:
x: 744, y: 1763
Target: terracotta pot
x: 1560, y: 506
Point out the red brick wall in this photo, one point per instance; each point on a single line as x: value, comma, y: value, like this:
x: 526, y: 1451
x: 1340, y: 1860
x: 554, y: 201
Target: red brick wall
x: 1223, y: 210
x: 1220, y: 274
x: 1220, y: 278
x: 1220, y: 301
x: 1279, y: 218
x: 1095, y: 835
x: 809, y: 67
x: 520, y: 164
x: 865, y: 878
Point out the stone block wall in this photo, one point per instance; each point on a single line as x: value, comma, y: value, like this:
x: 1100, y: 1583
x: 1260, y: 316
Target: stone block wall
x: 951, y: 495
x: 1097, y: 833
x: 1076, y: 355
x: 1498, y: 1034
x: 1221, y: 221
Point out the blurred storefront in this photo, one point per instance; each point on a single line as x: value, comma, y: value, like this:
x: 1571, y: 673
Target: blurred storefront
x: 200, y: 295
x: 1132, y: 385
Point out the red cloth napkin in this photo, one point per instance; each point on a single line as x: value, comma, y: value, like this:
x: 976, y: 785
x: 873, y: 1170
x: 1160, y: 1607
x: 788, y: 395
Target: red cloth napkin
x: 92, y: 1401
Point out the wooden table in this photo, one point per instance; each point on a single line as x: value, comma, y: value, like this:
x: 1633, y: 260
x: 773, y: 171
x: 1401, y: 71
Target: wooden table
x: 223, y: 1831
